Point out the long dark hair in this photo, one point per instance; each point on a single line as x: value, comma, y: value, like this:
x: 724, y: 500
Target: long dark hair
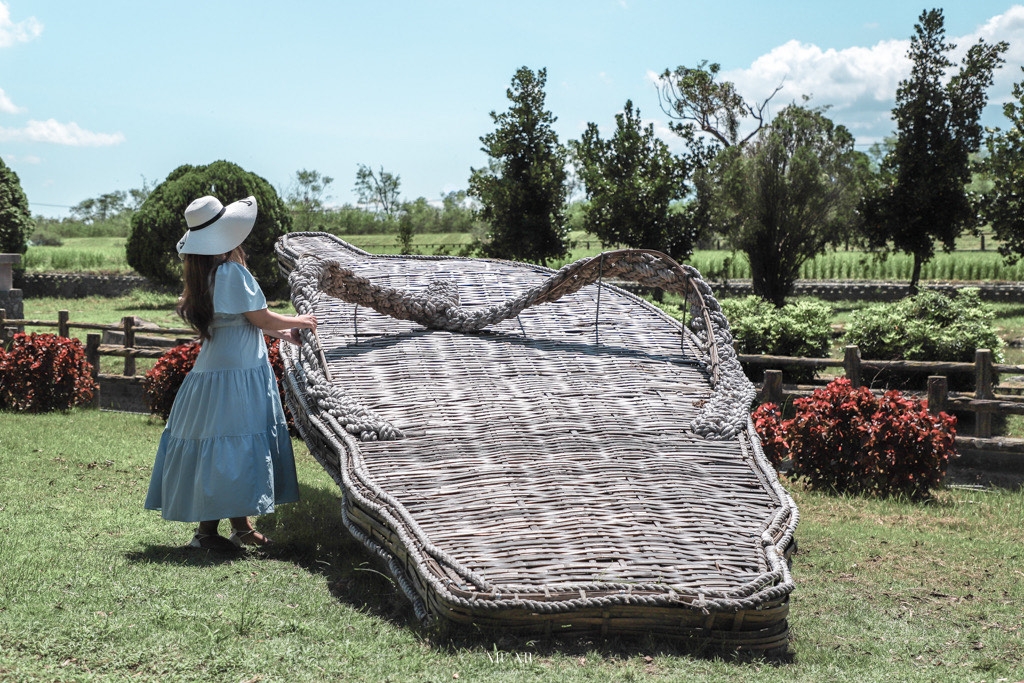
x: 196, y: 303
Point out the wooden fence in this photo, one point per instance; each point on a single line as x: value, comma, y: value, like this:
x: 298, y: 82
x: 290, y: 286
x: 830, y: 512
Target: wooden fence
x: 117, y: 392
x: 983, y: 402
x: 987, y: 400
x: 124, y: 392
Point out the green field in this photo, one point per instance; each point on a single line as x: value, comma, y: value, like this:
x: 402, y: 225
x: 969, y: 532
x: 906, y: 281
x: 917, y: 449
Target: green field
x: 968, y: 263
x: 94, y: 588
x: 79, y: 255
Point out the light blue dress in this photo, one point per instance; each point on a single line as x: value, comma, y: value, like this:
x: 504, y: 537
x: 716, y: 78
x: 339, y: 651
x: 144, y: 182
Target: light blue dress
x: 225, y: 451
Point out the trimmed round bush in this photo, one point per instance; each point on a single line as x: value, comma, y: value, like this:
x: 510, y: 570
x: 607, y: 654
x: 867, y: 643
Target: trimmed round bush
x: 768, y: 424
x: 277, y: 363
x: 848, y: 440
x: 929, y: 326
x: 163, y: 380
x: 160, y: 222
x: 43, y: 372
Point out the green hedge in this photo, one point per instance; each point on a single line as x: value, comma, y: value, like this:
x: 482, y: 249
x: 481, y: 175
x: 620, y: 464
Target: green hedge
x: 930, y: 326
x: 802, y: 329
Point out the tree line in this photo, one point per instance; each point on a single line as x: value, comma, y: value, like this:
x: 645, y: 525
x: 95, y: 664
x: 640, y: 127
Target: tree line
x: 783, y: 191
x: 779, y: 189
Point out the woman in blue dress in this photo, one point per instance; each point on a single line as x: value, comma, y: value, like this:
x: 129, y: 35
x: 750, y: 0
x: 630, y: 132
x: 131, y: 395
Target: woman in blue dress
x: 225, y: 452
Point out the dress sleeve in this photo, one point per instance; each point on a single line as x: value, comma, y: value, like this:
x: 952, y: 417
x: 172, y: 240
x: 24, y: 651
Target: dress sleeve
x: 235, y: 290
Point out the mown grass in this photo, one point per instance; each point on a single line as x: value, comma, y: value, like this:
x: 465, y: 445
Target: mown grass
x: 93, y: 587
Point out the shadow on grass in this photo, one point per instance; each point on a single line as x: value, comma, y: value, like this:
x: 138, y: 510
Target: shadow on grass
x: 457, y: 637
x: 311, y: 534
x: 183, y: 555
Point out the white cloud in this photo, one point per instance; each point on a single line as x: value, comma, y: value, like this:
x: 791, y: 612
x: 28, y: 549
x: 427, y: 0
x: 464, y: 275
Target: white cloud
x: 6, y: 106
x: 859, y: 83
x: 839, y: 77
x: 20, y: 32
x: 1008, y: 26
x: 53, y: 131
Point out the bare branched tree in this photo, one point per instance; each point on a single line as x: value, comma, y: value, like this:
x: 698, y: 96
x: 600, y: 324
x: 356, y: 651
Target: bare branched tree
x: 696, y: 100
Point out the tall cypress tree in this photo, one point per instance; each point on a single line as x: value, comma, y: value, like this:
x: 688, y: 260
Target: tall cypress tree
x: 922, y: 196
x: 632, y: 181
x: 523, y: 190
x: 1002, y: 206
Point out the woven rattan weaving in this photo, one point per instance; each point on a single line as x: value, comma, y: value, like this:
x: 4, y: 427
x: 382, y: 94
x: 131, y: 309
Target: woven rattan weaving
x: 540, y: 450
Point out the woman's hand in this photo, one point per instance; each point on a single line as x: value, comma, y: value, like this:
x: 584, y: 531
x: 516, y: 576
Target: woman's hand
x: 305, y: 322
x: 281, y: 326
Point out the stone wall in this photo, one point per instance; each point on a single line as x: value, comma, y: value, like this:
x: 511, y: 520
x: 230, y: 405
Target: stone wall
x: 845, y: 290
x: 79, y: 285
x: 12, y: 303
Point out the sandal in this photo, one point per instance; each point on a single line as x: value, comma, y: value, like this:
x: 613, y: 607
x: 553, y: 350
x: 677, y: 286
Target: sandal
x: 212, y: 542
x: 248, y: 537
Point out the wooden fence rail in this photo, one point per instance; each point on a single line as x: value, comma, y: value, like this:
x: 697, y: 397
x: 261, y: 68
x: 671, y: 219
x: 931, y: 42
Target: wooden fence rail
x: 983, y: 402
x: 124, y: 388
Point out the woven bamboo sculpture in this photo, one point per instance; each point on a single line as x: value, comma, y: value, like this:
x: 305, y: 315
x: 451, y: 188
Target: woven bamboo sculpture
x: 539, y: 450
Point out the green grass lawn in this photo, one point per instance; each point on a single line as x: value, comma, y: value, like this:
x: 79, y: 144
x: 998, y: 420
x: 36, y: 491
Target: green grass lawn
x: 94, y: 588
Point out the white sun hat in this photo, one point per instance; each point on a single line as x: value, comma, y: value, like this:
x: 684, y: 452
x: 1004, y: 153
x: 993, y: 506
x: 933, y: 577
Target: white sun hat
x: 214, y: 228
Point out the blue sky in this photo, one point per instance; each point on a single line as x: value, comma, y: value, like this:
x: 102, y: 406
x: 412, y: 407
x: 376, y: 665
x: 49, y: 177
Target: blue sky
x: 96, y: 96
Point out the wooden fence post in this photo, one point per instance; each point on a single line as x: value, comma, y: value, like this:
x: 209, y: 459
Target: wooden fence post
x: 851, y: 365
x: 937, y: 391
x: 63, y: 330
x: 983, y: 376
x: 772, y: 390
x: 129, y: 342
x: 92, y: 354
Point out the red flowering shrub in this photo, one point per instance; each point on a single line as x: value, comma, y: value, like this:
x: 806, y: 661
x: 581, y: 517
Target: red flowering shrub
x: 850, y: 441
x: 274, y: 354
x: 768, y: 423
x: 43, y: 372
x: 161, y: 384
